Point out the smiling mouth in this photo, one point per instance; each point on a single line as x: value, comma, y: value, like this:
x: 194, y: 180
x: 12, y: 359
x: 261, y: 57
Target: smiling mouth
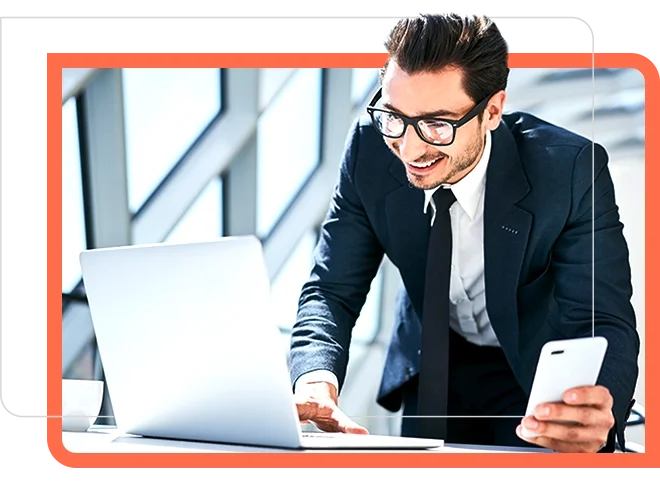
x: 425, y: 167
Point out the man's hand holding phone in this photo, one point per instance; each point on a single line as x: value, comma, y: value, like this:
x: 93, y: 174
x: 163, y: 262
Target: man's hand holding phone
x: 567, y: 411
x: 579, y: 424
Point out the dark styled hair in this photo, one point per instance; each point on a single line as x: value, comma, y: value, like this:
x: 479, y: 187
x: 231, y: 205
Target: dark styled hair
x: 473, y: 44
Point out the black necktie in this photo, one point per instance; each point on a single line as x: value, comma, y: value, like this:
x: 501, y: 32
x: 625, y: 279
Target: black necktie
x: 433, y: 377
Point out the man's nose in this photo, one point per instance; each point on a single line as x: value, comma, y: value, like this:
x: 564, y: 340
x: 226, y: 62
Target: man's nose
x: 411, y: 146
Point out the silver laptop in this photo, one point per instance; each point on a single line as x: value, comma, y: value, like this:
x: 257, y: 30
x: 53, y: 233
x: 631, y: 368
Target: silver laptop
x: 191, y: 351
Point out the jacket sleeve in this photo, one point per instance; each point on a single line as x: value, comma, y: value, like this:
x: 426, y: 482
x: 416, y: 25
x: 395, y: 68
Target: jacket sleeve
x: 346, y: 260
x: 593, y: 280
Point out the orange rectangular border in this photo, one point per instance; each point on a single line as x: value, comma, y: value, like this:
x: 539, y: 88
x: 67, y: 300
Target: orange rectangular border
x: 56, y: 62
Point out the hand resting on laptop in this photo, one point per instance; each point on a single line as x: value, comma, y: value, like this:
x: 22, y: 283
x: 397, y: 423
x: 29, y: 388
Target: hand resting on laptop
x: 317, y: 403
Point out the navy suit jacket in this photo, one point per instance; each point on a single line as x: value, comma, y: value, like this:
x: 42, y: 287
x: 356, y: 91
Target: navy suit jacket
x: 538, y: 216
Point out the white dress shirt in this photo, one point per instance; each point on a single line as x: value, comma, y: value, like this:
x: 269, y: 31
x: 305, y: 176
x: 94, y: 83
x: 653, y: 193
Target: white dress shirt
x: 467, y: 292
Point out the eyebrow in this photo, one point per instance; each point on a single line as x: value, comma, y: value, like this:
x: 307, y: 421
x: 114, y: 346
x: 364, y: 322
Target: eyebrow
x: 437, y: 112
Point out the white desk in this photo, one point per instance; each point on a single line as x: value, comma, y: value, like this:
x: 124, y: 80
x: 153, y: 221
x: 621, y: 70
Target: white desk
x: 104, y: 439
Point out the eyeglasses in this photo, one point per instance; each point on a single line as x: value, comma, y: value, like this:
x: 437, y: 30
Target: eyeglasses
x: 432, y: 130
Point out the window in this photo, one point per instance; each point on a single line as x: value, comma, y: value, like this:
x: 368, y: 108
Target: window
x: 286, y: 286
x: 165, y: 110
x: 362, y: 82
x: 203, y: 220
x: 83, y: 366
x: 368, y: 322
x: 270, y: 82
x: 74, y: 238
x: 288, y: 145
x: 288, y: 283
x: 565, y: 75
x: 74, y: 79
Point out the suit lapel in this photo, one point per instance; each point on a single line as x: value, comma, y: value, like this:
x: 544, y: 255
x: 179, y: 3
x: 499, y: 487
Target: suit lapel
x: 506, y: 231
x: 409, y: 229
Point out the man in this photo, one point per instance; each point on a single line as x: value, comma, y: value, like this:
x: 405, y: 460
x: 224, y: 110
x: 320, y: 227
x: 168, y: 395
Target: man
x: 522, y: 209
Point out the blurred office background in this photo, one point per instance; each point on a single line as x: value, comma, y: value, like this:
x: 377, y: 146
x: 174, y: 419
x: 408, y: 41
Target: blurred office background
x: 153, y: 155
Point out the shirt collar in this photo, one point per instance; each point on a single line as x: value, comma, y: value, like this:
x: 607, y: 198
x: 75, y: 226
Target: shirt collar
x: 469, y: 189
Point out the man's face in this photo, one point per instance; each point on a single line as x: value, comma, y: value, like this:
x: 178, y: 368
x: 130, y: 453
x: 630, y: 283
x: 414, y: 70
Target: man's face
x: 438, y: 94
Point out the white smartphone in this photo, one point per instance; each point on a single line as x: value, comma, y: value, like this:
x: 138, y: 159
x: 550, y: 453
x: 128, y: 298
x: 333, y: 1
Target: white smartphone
x: 563, y: 365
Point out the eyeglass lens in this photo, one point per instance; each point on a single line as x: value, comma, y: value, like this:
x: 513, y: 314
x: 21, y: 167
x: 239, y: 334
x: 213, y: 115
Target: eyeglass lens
x: 435, y: 131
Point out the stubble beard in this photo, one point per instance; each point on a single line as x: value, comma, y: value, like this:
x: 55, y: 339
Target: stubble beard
x: 466, y: 161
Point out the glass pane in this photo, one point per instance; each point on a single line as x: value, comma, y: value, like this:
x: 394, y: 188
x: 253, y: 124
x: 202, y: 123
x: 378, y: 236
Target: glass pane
x: 270, y: 81
x: 363, y: 80
x: 83, y: 367
x: 165, y: 110
x: 295, y: 272
x: 74, y: 239
x: 74, y: 79
x: 203, y: 220
x: 289, y: 140
x: 366, y: 327
x: 286, y: 287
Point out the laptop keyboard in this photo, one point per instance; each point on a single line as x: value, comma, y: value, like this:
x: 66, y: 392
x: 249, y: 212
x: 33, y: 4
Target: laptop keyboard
x: 321, y: 434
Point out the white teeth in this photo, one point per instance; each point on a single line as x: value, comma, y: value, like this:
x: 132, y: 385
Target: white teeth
x: 424, y: 165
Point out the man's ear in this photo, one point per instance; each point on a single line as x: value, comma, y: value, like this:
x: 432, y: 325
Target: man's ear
x: 494, y: 109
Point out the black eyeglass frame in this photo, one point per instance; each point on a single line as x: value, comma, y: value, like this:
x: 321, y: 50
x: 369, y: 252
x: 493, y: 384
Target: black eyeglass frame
x: 414, y: 121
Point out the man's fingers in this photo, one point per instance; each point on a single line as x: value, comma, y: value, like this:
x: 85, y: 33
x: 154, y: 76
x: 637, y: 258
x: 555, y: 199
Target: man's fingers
x: 338, y: 422
x: 346, y: 425
x: 584, y: 415
x: 306, y: 410
x: 564, y: 432
x: 312, y: 409
x: 598, y: 396
x: 557, y: 445
x: 327, y: 416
